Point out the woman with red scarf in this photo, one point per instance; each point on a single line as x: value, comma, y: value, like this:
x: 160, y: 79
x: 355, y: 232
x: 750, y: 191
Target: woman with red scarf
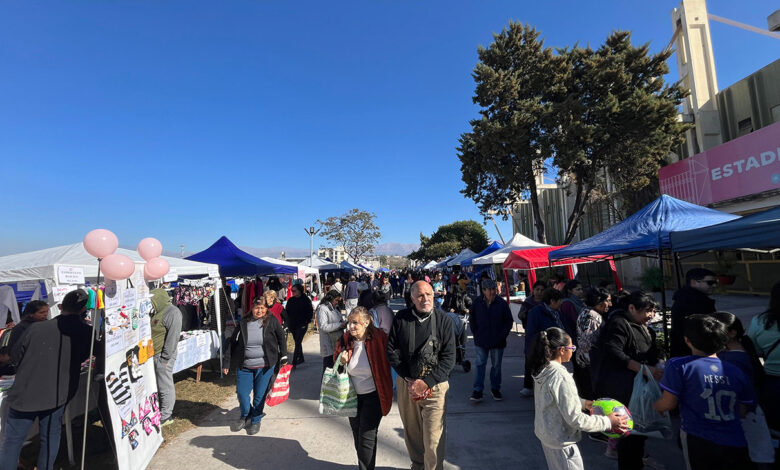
x: 275, y: 307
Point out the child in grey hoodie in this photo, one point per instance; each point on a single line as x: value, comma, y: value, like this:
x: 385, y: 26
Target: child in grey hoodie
x: 558, y: 407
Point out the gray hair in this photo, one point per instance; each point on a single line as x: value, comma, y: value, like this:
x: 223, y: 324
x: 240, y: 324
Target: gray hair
x: 416, y: 286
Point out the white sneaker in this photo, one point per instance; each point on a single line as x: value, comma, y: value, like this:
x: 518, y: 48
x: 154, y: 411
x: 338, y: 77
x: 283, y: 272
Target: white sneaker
x: 526, y: 393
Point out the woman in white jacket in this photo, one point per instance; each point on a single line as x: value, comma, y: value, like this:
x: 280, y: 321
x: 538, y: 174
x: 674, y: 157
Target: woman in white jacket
x: 558, y: 407
x: 330, y: 324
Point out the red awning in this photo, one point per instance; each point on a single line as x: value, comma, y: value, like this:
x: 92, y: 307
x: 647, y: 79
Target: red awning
x: 534, y: 258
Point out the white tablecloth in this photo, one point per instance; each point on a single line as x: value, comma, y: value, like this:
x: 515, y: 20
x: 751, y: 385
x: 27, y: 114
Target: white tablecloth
x: 201, y: 346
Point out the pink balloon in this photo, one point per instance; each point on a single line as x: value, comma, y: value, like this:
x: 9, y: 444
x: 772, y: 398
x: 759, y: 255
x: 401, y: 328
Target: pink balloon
x: 117, y: 267
x: 100, y: 243
x: 156, y: 268
x: 149, y: 248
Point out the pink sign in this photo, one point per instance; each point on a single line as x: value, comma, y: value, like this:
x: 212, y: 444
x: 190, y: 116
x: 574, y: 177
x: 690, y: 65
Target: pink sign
x: 747, y: 165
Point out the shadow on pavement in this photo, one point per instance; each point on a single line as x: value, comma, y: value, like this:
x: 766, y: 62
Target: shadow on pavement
x: 252, y: 452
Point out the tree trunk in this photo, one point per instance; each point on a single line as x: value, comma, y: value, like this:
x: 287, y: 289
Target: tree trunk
x: 580, y: 203
x: 538, y: 221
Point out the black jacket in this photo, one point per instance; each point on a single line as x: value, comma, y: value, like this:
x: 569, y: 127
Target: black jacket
x: 687, y: 301
x: 398, y: 344
x: 50, y: 357
x: 490, y: 325
x: 274, y: 344
x: 621, y: 341
x: 299, y: 312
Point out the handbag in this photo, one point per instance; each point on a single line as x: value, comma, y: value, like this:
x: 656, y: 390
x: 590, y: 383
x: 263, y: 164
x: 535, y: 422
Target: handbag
x: 280, y: 391
x: 646, y: 420
x: 337, y: 394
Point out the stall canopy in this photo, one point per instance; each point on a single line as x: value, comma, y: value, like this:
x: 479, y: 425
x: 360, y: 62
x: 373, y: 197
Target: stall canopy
x: 429, y: 265
x: 645, y: 231
x: 518, y: 242
x: 466, y: 253
x: 755, y: 231
x: 42, y: 264
x: 366, y: 268
x: 233, y: 261
x: 535, y: 258
x: 321, y: 264
x: 300, y: 269
x: 490, y: 249
x: 347, y: 266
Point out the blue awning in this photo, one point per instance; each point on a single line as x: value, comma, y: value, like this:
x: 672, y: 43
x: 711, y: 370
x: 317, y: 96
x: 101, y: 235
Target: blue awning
x: 490, y: 249
x: 233, y: 261
x: 645, y: 231
x: 757, y: 231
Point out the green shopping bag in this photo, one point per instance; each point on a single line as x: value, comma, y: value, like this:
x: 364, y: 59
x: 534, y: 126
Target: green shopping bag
x: 337, y: 395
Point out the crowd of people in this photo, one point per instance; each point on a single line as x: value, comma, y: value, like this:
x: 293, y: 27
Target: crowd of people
x: 581, y: 343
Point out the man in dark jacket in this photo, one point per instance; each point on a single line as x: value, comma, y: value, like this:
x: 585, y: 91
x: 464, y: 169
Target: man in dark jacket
x: 490, y: 322
x: 166, y: 328
x: 691, y: 299
x: 47, y: 377
x: 423, y: 365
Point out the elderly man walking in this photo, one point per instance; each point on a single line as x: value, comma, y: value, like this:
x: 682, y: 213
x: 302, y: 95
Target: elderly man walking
x: 490, y: 322
x: 421, y: 349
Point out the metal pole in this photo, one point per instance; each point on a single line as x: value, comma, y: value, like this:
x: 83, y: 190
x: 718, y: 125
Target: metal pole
x: 89, y: 376
x: 663, y: 298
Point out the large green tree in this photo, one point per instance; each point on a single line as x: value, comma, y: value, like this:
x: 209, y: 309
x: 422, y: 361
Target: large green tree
x: 450, y: 239
x: 504, y: 152
x: 613, y: 125
x: 603, y: 117
x: 356, y: 231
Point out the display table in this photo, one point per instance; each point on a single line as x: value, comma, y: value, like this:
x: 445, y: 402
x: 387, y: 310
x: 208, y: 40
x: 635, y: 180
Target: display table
x: 74, y: 409
x: 194, y: 348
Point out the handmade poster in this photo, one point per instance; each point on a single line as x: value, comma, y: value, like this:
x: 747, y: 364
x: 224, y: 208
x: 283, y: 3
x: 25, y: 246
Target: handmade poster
x: 111, y: 295
x: 130, y: 381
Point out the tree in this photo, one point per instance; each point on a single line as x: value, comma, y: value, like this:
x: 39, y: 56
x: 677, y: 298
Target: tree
x: 450, y: 239
x: 615, y: 123
x: 383, y: 260
x: 506, y: 148
x: 355, y: 231
x: 604, y: 118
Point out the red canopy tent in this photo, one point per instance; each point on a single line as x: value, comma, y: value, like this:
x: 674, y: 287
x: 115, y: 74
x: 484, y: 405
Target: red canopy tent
x: 534, y: 258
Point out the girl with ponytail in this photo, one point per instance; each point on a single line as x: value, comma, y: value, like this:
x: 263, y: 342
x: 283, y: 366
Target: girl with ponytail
x: 559, y: 418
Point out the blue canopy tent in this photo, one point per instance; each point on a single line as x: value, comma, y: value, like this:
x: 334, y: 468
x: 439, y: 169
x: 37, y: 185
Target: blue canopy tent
x: 366, y: 268
x: 347, y: 266
x: 233, y: 261
x: 755, y: 231
x: 645, y: 233
x: 490, y: 249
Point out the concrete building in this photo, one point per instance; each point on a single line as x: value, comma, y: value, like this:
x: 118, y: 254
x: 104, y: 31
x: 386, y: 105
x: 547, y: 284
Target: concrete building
x: 337, y: 255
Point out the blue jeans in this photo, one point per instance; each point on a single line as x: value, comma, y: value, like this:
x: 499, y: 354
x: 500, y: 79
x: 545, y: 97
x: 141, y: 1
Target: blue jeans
x: 255, y: 382
x: 17, y: 425
x: 496, y: 355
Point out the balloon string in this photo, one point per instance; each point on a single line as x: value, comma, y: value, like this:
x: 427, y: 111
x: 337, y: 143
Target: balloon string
x: 89, y: 376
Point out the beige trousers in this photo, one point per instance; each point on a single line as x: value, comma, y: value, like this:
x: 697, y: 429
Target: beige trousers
x: 425, y: 425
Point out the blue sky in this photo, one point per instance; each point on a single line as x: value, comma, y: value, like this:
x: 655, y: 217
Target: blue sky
x: 188, y: 120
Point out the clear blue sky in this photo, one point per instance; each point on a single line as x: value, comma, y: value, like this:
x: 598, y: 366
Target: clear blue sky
x: 187, y: 120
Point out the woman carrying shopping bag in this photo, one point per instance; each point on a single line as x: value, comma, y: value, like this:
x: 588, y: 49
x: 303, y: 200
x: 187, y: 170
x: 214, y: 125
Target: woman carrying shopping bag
x: 365, y: 361
x: 256, y: 350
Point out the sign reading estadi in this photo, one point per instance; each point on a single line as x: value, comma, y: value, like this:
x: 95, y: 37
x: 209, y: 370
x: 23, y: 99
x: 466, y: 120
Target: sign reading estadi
x: 747, y: 165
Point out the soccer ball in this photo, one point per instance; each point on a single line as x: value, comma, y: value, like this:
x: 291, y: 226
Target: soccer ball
x: 605, y: 406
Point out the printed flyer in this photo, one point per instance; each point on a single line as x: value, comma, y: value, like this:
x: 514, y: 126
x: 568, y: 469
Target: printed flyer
x: 130, y: 381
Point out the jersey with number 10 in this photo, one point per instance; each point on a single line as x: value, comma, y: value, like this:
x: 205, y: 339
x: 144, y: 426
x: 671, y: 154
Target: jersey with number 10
x: 708, y: 391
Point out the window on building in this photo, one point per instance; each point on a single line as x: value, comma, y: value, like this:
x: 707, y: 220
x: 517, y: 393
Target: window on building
x: 776, y: 113
x: 745, y: 127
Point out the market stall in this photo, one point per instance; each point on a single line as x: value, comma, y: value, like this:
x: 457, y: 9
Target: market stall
x: 464, y: 254
x: 755, y: 231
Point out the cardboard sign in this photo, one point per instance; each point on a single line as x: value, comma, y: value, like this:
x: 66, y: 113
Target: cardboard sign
x: 213, y: 272
x: 171, y: 276
x: 70, y: 274
x: 59, y: 292
x: 27, y: 286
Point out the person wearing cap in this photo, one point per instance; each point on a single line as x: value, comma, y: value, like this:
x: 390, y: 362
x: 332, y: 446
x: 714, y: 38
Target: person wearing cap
x: 166, y: 328
x: 47, y: 378
x: 490, y: 322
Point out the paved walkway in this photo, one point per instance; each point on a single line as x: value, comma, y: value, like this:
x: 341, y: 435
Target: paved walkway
x: 294, y: 436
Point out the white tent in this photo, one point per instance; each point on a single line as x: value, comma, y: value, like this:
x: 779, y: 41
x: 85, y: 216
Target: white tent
x: 466, y: 253
x: 301, y: 267
x: 319, y: 263
x: 46, y: 264
x: 518, y: 242
x: 429, y: 265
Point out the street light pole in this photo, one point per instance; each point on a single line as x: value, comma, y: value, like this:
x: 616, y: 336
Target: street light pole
x: 311, y: 232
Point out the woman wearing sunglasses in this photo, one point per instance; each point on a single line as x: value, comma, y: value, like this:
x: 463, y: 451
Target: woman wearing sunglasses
x: 559, y: 417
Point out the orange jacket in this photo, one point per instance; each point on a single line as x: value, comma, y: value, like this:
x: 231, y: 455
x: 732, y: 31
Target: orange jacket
x: 376, y: 350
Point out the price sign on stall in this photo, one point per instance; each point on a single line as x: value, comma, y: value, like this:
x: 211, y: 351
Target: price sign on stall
x: 171, y: 276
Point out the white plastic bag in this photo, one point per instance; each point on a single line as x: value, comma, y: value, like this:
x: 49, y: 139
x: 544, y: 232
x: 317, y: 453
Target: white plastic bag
x: 647, y: 421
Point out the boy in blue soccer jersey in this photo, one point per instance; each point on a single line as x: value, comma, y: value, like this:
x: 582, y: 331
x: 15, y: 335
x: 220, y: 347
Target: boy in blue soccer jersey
x: 712, y: 395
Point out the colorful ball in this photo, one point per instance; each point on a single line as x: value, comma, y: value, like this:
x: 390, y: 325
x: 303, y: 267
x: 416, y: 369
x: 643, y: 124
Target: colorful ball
x: 606, y: 406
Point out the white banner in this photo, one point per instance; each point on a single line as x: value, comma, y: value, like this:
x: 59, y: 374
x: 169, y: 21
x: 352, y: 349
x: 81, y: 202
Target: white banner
x: 130, y: 382
x: 171, y: 276
x: 27, y: 286
x: 70, y: 274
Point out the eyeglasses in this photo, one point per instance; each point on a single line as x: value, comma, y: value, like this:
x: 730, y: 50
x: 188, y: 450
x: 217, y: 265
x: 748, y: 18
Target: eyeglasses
x: 570, y: 348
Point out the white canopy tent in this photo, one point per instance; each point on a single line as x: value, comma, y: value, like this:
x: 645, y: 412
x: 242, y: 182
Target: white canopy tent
x: 429, y: 265
x: 319, y: 263
x: 518, y: 242
x: 302, y: 269
x: 466, y: 253
x: 45, y: 265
